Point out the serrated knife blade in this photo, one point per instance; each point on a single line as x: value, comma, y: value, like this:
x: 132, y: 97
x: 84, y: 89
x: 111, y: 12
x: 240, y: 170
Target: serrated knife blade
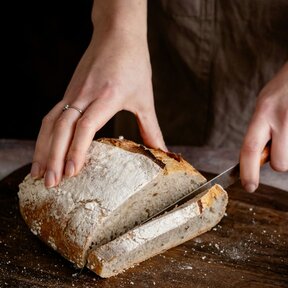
x: 224, y: 179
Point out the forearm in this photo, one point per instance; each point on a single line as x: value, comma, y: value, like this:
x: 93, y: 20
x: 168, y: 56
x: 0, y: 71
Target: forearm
x: 128, y: 16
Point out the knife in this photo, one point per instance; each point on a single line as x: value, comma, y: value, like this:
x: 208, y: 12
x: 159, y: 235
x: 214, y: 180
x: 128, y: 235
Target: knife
x: 225, y: 179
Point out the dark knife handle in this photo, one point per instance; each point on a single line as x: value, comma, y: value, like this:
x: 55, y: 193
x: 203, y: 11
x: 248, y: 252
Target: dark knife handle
x: 265, y: 155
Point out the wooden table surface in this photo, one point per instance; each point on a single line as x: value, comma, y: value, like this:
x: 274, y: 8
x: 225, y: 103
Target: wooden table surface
x: 248, y: 248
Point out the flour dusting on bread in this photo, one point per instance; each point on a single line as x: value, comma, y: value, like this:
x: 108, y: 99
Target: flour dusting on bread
x: 121, y: 184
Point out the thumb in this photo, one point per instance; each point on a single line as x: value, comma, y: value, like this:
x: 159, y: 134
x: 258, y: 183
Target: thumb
x: 150, y: 130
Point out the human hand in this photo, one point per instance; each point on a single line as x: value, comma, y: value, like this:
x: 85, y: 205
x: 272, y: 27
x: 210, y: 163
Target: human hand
x: 114, y: 74
x: 269, y: 122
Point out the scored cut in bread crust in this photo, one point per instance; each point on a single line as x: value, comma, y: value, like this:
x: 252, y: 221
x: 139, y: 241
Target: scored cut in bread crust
x: 187, y: 221
x: 121, y: 184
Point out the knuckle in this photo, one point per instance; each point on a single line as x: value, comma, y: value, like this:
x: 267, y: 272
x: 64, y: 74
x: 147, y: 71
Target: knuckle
x: 74, y: 151
x: 251, y: 146
x: 265, y: 105
x: 47, y: 119
x: 52, y: 161
x: 85, y: 122
x: 279, y: 165
x: 111, y: 95
x: 61, y: 123
x: 110, y: 89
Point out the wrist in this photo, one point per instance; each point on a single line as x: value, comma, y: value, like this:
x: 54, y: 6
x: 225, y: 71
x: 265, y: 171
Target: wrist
x: 127, y: 17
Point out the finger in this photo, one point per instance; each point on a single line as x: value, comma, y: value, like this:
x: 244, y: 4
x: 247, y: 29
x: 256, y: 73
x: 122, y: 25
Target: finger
x: 94, y: 118
x: 279, y: 149
x: 257, y: 136
x: 43, y: 142
x: 63, y: 132
x: 150, y: 130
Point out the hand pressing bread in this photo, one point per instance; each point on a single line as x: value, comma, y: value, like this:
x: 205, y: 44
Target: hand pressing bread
x: 93, y: 218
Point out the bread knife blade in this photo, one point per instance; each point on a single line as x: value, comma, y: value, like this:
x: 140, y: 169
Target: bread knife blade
x: 224, y: 179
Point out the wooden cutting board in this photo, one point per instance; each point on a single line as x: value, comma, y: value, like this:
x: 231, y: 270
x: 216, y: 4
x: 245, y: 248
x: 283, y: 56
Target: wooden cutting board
x: 248, y: 248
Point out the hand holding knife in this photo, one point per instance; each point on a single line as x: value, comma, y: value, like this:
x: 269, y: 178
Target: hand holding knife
x: 225, y: 179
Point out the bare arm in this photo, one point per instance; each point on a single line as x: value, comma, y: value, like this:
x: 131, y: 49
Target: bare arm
x: 114, y: 74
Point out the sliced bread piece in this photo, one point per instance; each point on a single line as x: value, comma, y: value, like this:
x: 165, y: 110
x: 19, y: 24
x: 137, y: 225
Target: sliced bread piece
x: 168, y: 230
x: 121, y: 184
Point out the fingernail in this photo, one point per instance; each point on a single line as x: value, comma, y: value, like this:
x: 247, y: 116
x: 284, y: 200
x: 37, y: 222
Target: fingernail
x: 49, y: 179
x: 69, y: 168
x: 250, y: 187
x: 35, y: 170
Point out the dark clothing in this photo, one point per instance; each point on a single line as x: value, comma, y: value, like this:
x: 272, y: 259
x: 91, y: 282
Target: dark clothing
x: 210, y: 59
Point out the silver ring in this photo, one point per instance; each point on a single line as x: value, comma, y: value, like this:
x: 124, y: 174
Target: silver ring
x: 67, y: 106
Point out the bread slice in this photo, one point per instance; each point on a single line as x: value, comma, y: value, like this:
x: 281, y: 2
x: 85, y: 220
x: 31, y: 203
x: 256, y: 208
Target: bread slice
x: 121, y: 184
x: 169, y: 230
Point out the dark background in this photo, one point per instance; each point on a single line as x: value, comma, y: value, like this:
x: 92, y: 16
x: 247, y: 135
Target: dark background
x: 43, y: 42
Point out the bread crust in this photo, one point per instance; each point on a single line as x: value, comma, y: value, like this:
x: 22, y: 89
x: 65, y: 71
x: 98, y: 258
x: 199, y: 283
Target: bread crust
x: 187, y: 221
x: 66, y: 217
x: 166, y: 160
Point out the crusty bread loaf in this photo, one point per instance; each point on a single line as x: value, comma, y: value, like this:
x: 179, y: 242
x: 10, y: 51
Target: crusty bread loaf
x: 121, y: 184
x: 169, y: 230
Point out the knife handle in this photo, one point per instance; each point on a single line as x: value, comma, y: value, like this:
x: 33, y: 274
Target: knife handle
x: 265, y: 155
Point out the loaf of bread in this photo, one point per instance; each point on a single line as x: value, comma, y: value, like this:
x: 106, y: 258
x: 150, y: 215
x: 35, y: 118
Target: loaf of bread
x: 158, y: 235
x: 122, y: 183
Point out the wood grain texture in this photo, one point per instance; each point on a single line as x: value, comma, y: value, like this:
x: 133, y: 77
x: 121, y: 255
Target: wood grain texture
x: 248, y: 248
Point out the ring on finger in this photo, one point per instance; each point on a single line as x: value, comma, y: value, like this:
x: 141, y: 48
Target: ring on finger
x: 67, y: 106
